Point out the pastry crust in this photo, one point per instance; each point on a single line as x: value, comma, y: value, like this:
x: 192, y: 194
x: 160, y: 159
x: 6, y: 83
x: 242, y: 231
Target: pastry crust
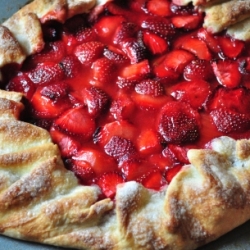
x: 40, y: 200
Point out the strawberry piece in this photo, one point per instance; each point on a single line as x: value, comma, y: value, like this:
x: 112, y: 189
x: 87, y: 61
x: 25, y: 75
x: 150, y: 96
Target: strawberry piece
x: 122, y: 108
x: 99, y: 161
x: 21, y: 83
x: 198, y: 69
x: 46, y: 73
x: 159, y: 7
x: 69, y: 42
x: 125, y: 31
x: 88, y: 52
x: 126, y: 84
x: 50, y: 101
x: 70, y: 66
x: 230, y: 47
x: 136, y: 71
x: 67, y: 144
x: 85, y: 34
x: 138, y: 5
x: 108, y: 183
x: 194, y: 45
x: 227, y: 73
x: 134, y: 50
x: 195, y: 92
x: 155, y: 44
x: 171, y: 172
x: 159, y: 26
x: 179, y: 152
x: 74, y: 24
x: 178, y: 123
x: 148, y: 142
x: 107, y: 25
x: 163, y: 160
x: 118, y: 128
x: 103, y: 70
x: 228, y: 121
x: 187, y: 22
x: 95, y: 99
x: 154, y: 180
x: 120, y: 148
x: 76, y: 121
x: 115, y: 55
x: 244, y: 65
x: 149, y: 87
x: 209, y: 39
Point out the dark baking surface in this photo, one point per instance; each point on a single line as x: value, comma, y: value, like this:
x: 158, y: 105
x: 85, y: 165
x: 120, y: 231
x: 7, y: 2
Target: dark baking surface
x: 238, y: 239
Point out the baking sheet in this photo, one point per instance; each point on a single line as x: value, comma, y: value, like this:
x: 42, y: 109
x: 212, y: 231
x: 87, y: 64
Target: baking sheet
x: 238, y: 239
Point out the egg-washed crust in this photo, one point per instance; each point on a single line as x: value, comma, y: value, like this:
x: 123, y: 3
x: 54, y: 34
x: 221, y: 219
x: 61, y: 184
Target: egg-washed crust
x: 41, y: 201
x: 230, y: 15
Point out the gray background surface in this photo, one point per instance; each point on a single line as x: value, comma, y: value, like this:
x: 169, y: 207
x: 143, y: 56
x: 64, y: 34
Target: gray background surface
x: 238, y: 239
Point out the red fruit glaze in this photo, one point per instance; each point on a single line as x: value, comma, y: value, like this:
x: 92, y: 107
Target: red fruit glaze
x: 126, y: 91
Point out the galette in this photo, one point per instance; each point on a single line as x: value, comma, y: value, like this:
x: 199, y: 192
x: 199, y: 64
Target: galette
x: 125, y: 124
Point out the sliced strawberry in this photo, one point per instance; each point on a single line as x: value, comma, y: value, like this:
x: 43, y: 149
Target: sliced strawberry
x: 194, y: 45
x: 118, y: 128
x: 230, y: 47
x: 154, y: 180
x: 103, y: 70
x: 70, y: 42
x: 98, y: 160
x: 244, y: 64
x: 149, y: 87
x: 88, y: 52
x: 171, y: 172
x: 70, y: 66
x: 124, y: 83
x: 76, y: 121
x: 75, y: 23
x: 115, y: 55
x: 228, y: 121
x: 120, y: 148
x: 95, y: 99
x: 68, y: 145
x: 122, y: 107
x: 107, y: 25
x: 179, y: 152
x: 134, y: 50
x: 85, y: 34
x: 196, y: 92
x: 108, y: 183
x: 198, y: 69
x: 137, y: 5
x: 148, y: 142
x: 124, y: 31
x: 160, y: 26
x: 177, y: 60
x: 21, y: 83
x: 50, y: 101
x: 178, y: 123
x: 209, y: 39
x: 159, y: 7
x: 136, y: 71
x: 46, y: 73
x: 227, y: 73
x: 163, y: 160
x: 156, y: 44
x: 187, y: 22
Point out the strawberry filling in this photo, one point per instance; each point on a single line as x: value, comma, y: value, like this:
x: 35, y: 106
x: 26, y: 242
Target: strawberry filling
x: 126, y: 93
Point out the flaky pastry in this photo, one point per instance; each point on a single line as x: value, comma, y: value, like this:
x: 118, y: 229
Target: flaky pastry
x: 41, y: 201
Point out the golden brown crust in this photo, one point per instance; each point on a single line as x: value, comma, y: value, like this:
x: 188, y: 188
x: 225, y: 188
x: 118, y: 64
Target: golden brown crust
x: 42, y: 201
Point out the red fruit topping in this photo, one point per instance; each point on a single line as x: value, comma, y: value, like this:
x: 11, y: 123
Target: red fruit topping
x: 76, y: 121
x: 70, y: 66
x: 171, y: 172
x: 124, y: 83
x: 116, y: 55
x: 120, y: 148
x: 124, y: 31
x: 195, y: 92
x: 227, y: 73
x: 198, y: 69
x: 88, y: 52
x: 149, y: 87
x: 95, y: 99
x: 46, y: 73
x: 108, y: 183
x: 85, y: 34
x: 230, y: 48
x: 179, y: 153
x: 155, y: 43
x: 154, y: 180
x: 159, y: 7
x: 178, y: 123
x: 187, y: 22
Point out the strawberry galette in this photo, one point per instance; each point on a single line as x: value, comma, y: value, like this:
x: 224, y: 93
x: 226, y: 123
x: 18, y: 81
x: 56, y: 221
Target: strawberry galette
x: 125, y: 125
